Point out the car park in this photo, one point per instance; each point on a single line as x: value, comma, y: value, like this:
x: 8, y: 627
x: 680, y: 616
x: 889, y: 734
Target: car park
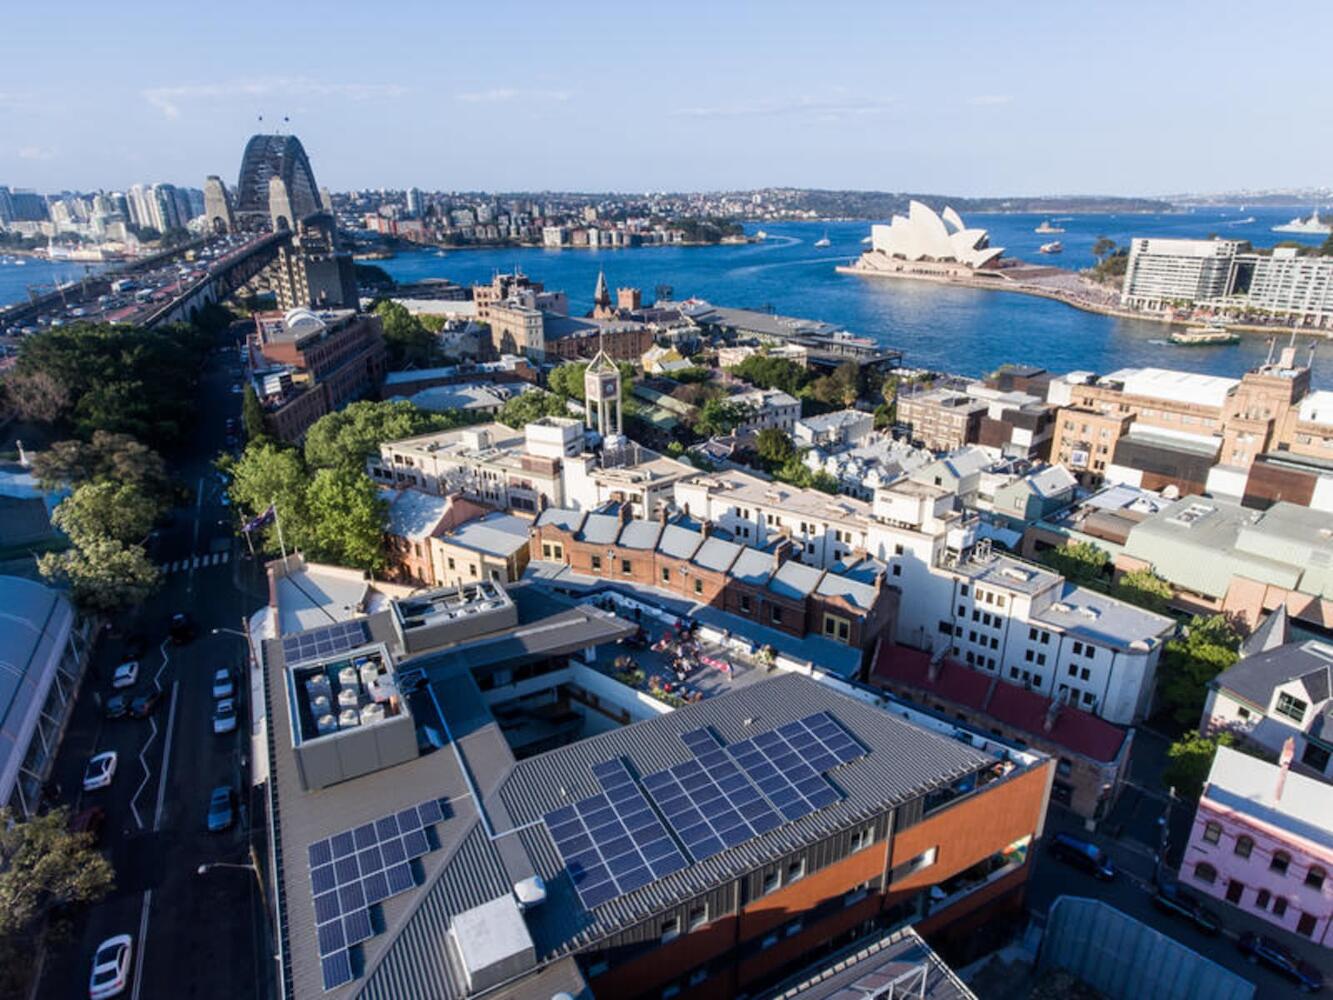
x: 221, y: 809
x: 126, y: 674
x: 111, y: 967
x: 224, y: 717
x: 1083, y: 855
x: 1261, y: 948
x: 222, y: 683
x: 1170, y: 898
x: 100, y: 770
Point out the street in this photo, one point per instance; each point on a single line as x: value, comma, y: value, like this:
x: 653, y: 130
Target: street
x: 194, y: 935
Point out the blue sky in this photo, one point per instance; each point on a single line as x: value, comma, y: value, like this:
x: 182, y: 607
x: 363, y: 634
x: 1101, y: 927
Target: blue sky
x: 963, y: 98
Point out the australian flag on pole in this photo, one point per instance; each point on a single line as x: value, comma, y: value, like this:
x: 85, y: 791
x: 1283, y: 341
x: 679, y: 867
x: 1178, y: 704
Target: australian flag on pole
x: 258, y: 522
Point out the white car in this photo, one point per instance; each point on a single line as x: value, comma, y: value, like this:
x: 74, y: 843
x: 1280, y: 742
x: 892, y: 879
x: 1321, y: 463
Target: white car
x: 111, y: 967
x: 222, y: 685
x: 224, y: 717
x: 100, y: 770
x: 126, y: 674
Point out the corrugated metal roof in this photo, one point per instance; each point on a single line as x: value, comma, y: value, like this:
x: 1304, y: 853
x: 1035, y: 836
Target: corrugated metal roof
x: 752, y: 566
x: 560, y: 517
x: 600, y: 529
x: 641, y: 534
x: 717, y: 554
x: 794, y: 580
x: 679, y: 542
x: 855, y: 593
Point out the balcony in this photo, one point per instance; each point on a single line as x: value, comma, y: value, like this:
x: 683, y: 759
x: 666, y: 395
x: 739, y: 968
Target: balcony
x: 985, y: 872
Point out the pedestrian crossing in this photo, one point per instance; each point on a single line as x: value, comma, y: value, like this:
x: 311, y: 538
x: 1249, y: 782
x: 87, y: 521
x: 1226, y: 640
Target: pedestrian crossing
x: 198, y: 562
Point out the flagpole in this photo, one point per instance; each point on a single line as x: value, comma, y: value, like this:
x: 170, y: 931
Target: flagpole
x: 277, y: 521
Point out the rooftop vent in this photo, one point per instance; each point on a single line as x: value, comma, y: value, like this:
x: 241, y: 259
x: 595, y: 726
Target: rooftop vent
x: 530, y: 892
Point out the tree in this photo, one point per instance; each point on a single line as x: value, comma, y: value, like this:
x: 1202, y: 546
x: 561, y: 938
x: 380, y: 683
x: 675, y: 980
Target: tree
x: 842, y: 388
x: 252, y: 414
x: 103, y: 574
x: 347, y: 518
x: 373, y: 276
x: 1146, y: 589
x: 349, y: 436
x: 823, y: 481
x: 530, y: 406
x: 774, y: 446
x: 1102, y: 247
x: 408, y: 342
x: 567, y: 380
x: 271, y: 473
x: 1082, y: 563
x: 1206, y: 647
x: 37, y: 396
x: 116, y: 457
x: 773, y: 373
x: 720, y: 416
x: 106, y: 509
x: 42, y: 865
x: 1188, y: 761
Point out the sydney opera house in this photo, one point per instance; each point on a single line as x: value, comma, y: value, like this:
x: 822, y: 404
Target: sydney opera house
x: 924, y: 243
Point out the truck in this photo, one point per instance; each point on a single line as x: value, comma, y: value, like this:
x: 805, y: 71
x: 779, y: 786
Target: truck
x: 122, y: 285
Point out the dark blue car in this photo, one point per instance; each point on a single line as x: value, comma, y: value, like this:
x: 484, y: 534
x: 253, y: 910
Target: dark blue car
x: 1280, y: 958
x: 1083, y: 855
x: 221, y: 814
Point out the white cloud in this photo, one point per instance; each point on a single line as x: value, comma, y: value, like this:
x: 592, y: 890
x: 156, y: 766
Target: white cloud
x: 35, y: 153
x: 505, y: 95
x: 173, y: 99
x: 824, y: 107
x: 989, y: 100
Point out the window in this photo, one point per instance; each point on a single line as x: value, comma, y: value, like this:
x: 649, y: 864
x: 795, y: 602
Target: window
x: 946, y: 627
x: 1041, y: 659
x: 698, y: 917
x: 1305, y: 926
x: 698, y: 976
x: 999, y: 600
x: 1073, y: 670
x: 769, y: 941
x: 1212, y: 832
x: 666, y: 575
x: 546, y: 552
x: 1085, y: 674
x: 897, y: 570
x: 670, y: 929
x: 1262, y: 898
x: 1292, y: 708
x: 972, y: 635
x: 1244, y: 845
x: 976, y: 615
x: 1205, y: 872
x: 1281, y: 861
x: 863, y: 837
x: 837, y: 627
x: 698, y: 586
x: 796, y: 870
x: 913, y: 865
x: 597, y: 564
x: 745, y: 604
x: 671, y: 990
x: 1027, y: 655
x: 795, y: 927
x: 962, y: 591
x: 1279, y: 906
x: 1315, y: 877
x: 1046, y: 638
x: 1032, y: 635
x: 626, y: 567
x: 1078, y: 648
x: 771, y: 882
x: 1013, y: 673
x: 854, y: 896
x: 451, y: 559
x: 776, y: 614
x: 1316, y: 757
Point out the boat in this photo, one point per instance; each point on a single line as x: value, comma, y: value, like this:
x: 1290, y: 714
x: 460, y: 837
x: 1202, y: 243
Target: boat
x: 1313, y: 225
x: 1053, y: 247
x: 1046, y: 227
x: 761, y: 235
x: 824, y: 241
x: 1206, y: 336
x: 867, y: 239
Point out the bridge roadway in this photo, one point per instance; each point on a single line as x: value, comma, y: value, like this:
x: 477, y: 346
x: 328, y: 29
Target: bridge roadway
x: 177, y: 288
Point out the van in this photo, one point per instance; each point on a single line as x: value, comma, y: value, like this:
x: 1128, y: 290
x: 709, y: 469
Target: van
x: 1082, y: 854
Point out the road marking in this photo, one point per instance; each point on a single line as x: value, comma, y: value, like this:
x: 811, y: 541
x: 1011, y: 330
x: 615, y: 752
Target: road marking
x: 198, y: 510
x: 166, y: 759
x: 143, y: 760
x: 143, y: 943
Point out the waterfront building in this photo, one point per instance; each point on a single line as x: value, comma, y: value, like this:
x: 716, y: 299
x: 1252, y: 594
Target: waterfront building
x: 1278, y: 694
x: 303, y: 364
x: 1262, y: 840
x: 1162, y: 273
x: 927, y: 243
x: 825, y: 343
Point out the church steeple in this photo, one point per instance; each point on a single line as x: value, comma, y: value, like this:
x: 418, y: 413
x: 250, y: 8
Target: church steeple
x: 601, y: 298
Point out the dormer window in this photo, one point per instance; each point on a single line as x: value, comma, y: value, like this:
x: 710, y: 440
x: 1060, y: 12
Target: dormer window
x: 1292, y: 708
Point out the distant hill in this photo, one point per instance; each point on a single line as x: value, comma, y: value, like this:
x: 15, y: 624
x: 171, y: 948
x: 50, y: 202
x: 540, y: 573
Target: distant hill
x: 882, y: 204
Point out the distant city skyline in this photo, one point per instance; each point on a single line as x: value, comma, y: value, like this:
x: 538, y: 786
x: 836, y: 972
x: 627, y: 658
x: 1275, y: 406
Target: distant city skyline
x: 1048, y: 99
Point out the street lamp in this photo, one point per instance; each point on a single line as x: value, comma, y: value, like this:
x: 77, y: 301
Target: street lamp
x: 230, y: 631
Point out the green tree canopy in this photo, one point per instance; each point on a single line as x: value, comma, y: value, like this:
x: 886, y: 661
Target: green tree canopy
x: 1188, y: 762
x: 349, y: 436
x: 116, y: 457
x: 841, y: 388
x: 1146, y: 589
x: 347, y: 519
x: 567, y: 380
x: 773, y: 373
x: 103, y: 575
x: 720, y: 416
x: 1102, y: 246
x: 532, y: 405
x: 106, y: 509
x: 407, y: 341
x: 42, y: 865
x: 252, y: 414
x: 271, y: 473
x: 774, y: 446
x: 1082, y: 563
x: 1206, y: 647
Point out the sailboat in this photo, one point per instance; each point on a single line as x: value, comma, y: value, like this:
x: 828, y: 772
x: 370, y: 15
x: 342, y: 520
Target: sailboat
x: 824, y: 241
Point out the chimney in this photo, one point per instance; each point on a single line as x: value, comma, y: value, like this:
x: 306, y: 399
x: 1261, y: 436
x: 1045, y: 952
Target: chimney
x: 686, y: 508
x: 781, y: 553
x: 1283, y: 766
x: 24, y: 460
x: 623, y: 514
x: 706, y: 528
x: 936, y: 665
x: 662, y: 515
x: 879, y: 580
x: 541, y: 503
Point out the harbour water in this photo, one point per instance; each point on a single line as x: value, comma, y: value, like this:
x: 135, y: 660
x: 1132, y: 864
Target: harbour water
x: 936, y: 326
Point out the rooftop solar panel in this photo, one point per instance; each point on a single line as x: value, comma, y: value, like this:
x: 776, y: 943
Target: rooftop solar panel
x: 337, y: 969
x: 328, y: 640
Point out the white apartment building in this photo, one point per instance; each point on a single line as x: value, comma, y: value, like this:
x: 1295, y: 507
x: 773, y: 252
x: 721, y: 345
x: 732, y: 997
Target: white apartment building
x: 1161, y: 271
x: 1287, y: 284
x: 768, y: 408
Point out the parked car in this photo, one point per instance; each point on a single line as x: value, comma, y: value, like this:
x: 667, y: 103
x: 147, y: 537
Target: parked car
x: 221, y: 813
x: 222, y: 683
x: 146, y: 704
x: 1172, y: 899
x: 181, y: 628
x: 90, y: 820
x: 126, y: 674
x: 1083, y: 855
x: 224, y: 717
x: 117, y: 706
x: 100, y: 770
x: 111, y: 967
x: 136, y: 645
x: 1281, y: 959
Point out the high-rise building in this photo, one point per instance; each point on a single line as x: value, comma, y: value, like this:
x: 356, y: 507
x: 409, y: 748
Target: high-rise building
x: 413, y: 201
x: 6, y: 205
x: 313, y: 270
x: 1162, y: 271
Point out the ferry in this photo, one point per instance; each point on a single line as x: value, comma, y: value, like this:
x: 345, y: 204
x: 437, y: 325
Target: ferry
x: 1206, y: 336
x: 1313, y: 225
x: 1046, y: 227
x: 1054, y: 247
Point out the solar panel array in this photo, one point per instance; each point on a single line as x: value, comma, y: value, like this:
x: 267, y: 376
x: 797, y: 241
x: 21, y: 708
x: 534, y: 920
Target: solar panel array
x: 612, y: 843
x: 329, y: 640
x: 355, y: 869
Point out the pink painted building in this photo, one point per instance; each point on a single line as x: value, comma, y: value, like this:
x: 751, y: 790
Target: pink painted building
x: 1263, y: 841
